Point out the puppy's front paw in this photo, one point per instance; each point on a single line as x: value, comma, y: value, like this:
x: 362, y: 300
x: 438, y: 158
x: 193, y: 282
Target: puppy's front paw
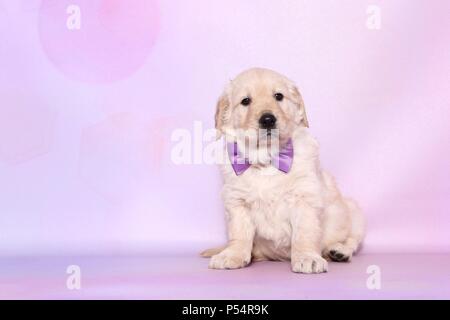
x: 228, y: 260
x: 309, y: 263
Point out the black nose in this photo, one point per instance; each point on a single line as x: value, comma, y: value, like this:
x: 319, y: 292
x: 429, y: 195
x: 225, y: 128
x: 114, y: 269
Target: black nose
x: 267, y: 121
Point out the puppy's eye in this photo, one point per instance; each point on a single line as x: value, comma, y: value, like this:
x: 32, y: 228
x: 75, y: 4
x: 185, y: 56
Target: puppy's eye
x: 246, y: 101
x: 278, y: 96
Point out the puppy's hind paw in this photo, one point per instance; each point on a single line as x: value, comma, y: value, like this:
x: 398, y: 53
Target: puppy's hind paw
x: 228, y: 260
x: 309, y: 263
x: 338, y: 256
x: 339, y: 253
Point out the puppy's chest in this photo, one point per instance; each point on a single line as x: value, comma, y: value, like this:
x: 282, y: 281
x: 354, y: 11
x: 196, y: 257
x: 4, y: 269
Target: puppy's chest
x: 270, y: 201
x: 271, y: 220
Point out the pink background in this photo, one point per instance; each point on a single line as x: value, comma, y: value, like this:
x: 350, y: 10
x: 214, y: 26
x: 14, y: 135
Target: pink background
x: 86, y: 116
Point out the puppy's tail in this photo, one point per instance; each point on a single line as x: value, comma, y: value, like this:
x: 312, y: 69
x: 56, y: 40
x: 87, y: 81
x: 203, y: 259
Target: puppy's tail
x: 210, y: 252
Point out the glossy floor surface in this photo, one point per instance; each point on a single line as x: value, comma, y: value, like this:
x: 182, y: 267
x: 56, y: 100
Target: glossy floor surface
x: 409, y: 276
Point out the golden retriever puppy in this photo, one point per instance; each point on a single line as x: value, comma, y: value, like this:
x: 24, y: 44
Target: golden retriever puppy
x: 279, y: 203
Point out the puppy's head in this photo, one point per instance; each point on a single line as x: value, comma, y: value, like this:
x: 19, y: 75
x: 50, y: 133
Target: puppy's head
x: 261, y: 100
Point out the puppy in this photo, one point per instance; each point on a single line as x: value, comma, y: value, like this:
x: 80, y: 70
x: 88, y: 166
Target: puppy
x: 279, y: 203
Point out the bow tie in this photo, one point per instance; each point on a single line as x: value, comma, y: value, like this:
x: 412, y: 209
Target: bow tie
x: 282, y: 161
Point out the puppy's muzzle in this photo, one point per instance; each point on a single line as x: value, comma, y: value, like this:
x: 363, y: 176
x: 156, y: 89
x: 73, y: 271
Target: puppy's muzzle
x: 267, y: 121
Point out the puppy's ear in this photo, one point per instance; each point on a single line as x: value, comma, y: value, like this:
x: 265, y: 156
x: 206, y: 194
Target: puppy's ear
x: 222, y: 113
x: 301, y: 106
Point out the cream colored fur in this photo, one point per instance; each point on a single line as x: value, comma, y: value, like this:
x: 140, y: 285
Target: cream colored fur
x: 299, y: 216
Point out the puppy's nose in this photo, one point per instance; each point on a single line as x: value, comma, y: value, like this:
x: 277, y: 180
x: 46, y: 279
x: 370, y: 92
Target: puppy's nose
x: 267, y: 121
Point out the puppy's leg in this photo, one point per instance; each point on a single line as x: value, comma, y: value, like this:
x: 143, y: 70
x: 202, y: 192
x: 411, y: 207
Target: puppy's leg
x: 343, y: 251
x: 306, y: 236
x: 238, y: 252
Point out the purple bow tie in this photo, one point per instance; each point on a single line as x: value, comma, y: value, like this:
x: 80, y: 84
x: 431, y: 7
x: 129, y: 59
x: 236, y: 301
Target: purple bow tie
x: 282, y: 161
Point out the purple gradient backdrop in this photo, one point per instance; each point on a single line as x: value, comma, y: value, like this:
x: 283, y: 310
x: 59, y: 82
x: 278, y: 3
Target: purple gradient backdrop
x: 86, y: 116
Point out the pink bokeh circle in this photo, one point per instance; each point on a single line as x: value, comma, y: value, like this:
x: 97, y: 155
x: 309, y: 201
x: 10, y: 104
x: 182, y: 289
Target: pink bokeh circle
x: 112, y: 38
